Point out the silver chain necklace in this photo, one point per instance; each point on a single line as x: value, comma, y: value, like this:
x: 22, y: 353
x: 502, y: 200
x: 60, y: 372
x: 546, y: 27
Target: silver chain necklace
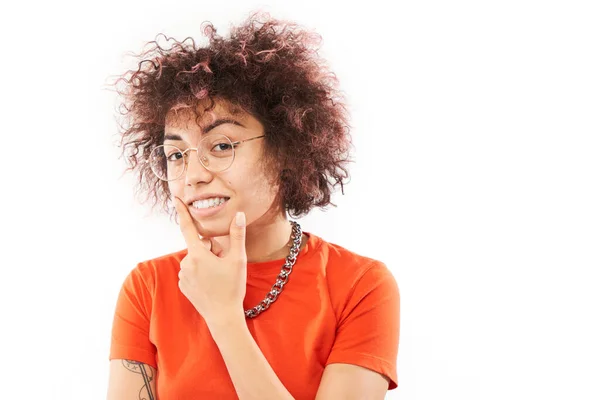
x: 283, y: 276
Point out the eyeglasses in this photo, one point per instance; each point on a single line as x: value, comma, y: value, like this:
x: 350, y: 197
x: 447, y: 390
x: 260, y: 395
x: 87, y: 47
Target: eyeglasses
x: 215, y: 152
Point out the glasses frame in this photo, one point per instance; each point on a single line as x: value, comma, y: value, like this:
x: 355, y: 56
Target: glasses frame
x: 186, y: 159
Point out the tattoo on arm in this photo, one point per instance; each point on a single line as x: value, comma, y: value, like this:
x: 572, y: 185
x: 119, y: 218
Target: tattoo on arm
x: 138, y: 368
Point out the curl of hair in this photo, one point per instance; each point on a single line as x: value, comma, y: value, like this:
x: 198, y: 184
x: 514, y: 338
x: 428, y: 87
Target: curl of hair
x: 268, y: 68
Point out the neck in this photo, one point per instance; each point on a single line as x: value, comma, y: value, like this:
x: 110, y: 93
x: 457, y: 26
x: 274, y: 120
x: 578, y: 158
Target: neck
x: 268, y: 238
x: 269, y: 241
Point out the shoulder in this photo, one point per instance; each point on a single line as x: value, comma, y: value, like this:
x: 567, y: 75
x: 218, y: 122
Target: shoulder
x: 165, y: 259
x: 346, y: 269
x: 341, y: 260
x: 362, y: 291
x: 148, y: 270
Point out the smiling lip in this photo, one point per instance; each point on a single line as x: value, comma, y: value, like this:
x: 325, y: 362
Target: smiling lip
x: 206, y: 212
x: 190, y: 200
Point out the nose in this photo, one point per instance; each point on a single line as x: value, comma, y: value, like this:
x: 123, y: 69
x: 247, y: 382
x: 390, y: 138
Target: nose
x: 195, y: 171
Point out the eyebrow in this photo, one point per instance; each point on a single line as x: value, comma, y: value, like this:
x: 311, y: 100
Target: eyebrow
x: 206, y: 129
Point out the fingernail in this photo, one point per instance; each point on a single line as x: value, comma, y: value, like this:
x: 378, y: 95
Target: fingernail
x: 240, y: 218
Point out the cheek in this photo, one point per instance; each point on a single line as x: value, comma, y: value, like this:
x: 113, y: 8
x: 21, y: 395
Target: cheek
x: 253, y: 187
x: 264, y: 191
x: 175, y: 189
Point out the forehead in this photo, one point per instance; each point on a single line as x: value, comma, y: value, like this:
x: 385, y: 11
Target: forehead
x: 194, y: 118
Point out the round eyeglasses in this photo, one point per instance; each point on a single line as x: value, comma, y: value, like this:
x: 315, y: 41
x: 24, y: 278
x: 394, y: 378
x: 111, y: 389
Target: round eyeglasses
x: 215, y: 152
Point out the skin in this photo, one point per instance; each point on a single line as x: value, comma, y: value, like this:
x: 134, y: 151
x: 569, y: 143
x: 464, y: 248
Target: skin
x: 246, y: 182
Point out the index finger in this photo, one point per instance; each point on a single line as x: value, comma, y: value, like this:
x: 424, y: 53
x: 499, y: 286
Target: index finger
x: 186, y: 224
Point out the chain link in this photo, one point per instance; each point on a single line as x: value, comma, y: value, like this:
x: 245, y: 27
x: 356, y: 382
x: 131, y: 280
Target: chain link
x: 283, y: 276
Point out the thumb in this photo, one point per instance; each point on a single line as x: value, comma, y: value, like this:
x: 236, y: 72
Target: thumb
x: 237, y: 236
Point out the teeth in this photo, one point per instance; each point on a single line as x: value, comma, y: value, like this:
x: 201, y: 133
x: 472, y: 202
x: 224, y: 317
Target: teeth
x: 206, y: 203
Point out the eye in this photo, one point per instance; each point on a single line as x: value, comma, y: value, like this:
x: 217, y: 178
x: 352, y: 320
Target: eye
x: 174, y: 156
x: 222, y: 147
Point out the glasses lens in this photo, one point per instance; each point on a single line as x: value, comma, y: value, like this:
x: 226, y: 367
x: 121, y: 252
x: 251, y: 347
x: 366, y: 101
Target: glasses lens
x: 216, y: 152
x: 167, y: 162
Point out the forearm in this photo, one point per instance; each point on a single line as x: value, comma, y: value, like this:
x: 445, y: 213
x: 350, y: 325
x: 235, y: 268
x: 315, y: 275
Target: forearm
x: 249, y: 370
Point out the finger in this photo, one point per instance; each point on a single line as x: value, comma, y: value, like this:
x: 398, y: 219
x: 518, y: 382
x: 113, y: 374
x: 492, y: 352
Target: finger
x: 237, y: 236
x: 207, y: 243
x: 213, y: 246
x: 186, y: 224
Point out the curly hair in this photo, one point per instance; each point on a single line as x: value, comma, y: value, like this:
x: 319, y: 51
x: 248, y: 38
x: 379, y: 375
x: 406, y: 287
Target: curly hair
x: 268, y: 68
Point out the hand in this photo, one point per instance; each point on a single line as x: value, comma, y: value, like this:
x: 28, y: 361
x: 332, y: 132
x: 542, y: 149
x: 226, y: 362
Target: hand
x: 216, y: 286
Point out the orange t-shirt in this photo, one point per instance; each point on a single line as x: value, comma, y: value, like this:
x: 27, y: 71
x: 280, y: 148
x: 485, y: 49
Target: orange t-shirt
x: 337, y: 307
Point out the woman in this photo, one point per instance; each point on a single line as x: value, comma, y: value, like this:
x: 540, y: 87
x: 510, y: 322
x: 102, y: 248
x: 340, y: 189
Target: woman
x: 235, y: 136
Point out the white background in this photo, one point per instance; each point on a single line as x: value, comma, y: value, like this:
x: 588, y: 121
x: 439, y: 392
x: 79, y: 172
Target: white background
x: 476, y: 126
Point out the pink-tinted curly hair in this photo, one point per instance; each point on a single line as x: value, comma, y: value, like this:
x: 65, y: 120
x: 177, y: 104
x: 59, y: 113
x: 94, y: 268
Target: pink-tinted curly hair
x: 268, y: 68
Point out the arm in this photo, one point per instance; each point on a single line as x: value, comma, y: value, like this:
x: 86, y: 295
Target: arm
x: 129, y: 379
x: 249, y: 370
x: 348, y: 381
x: 132, y: 375
x: 253, y: 377
x: 362, y: 363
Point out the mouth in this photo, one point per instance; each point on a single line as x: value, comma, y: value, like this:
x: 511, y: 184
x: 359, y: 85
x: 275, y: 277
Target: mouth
x: 206, y: 208
x: 207, y: 203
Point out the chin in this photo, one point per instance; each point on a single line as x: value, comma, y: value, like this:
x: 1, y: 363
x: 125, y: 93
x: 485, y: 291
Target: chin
x: 212, y: 228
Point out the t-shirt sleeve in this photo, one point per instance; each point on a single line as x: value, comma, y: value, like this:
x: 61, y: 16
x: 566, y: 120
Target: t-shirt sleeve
x: 130, y: 337
x: 368, y: 331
